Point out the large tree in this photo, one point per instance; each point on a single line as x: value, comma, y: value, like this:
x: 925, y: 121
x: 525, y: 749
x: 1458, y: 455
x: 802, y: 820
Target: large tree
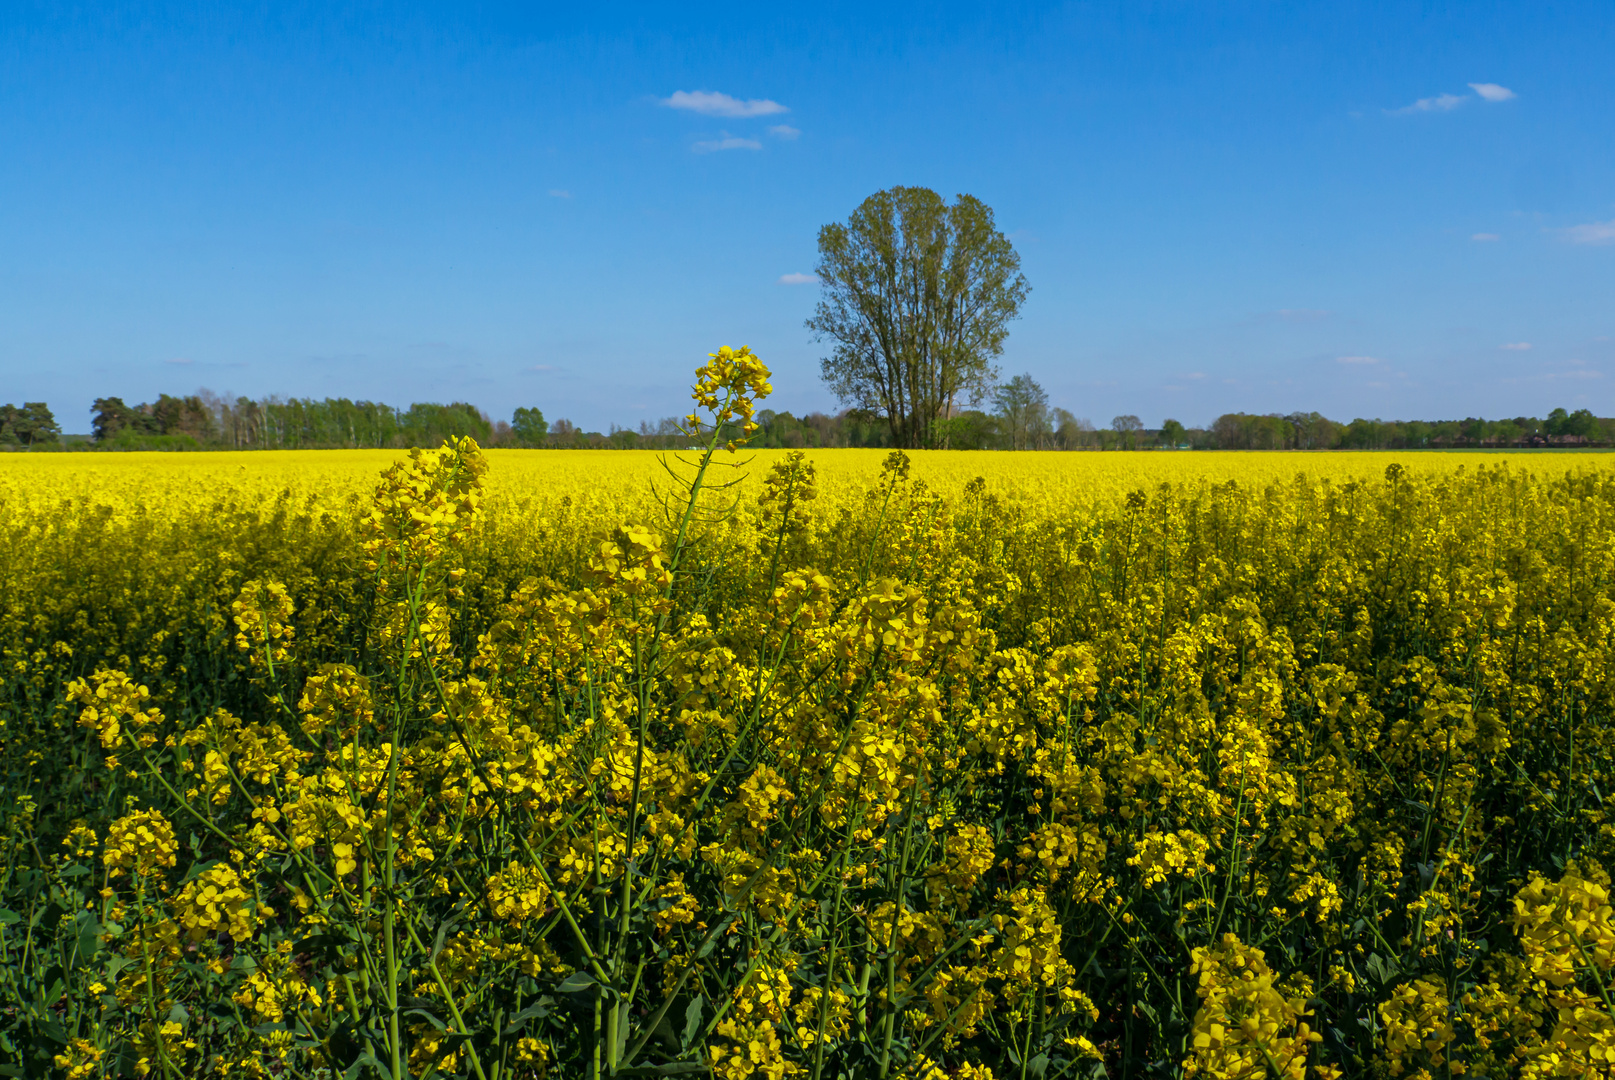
x: 29, y: 425
x: 1023, y: 412
x: 917, y: 297
x: 529, y: 426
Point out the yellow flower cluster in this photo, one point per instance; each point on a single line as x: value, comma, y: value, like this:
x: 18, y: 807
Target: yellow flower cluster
x: 215, y: 902
x: 114, y: 700
x: 728, y: 386
x: 1247, y: 1025
x: 424, y: 503
x: 140, y: 843
x: 263, y: 616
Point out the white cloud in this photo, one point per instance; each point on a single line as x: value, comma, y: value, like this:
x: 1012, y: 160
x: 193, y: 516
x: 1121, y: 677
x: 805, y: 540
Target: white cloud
x: 798, y: 279
x: 1358, y: 360
x: 1439, y: 103
x: 180, y: 360
x: 1490, y: 91
x: 784, y: 131
x: 1485, y: 237
x: 1595, y: 233
x: 560, y: 193
x: 728, y: 142
x: 541, y: 367
x: 711, y: 103
x: 1516, y: 346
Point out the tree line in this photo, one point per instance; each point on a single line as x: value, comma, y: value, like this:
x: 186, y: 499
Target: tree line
x: 206, y: 419
x: 1022, y: 419
x: 1311, y: 431
x: 1019, y: 417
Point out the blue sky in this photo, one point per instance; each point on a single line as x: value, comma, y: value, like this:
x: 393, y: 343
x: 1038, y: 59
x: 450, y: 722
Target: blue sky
x: 1395, y: 210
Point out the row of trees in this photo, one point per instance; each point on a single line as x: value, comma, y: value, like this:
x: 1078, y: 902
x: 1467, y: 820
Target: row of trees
x: 1023, y: 420
x: 275, y: 423
x: 208, y: 420
x: 1020, y: 418
x: 1312, y: 431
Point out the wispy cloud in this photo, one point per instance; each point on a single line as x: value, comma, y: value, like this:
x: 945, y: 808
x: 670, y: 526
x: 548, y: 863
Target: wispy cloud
x: 1594, y: 233
x: 541, y: 368
x: 1486, y: 91
x: 1578, y: 370
x: 1439, y: 103
x: 180, y: 360
x: 784, y: 131
x: 1485, y: 237
x: 711, y: 103
x: 560, y: 193
x: 1358, y: 360
x: 1516, y: 346
x: 728, y: 142
x: 799, y: 279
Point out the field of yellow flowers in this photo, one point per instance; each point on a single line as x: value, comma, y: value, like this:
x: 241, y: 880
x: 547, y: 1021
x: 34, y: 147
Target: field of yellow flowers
x: 853, y: 765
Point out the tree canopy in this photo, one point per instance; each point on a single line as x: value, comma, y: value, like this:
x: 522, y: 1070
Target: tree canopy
x: 529, y: 427
x: 916, y: 299
x: 28, y: 425
x: 1023, y: 410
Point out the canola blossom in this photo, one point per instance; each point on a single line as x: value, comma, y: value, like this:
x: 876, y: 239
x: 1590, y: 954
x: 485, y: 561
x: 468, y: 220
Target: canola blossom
x: 836, y: 764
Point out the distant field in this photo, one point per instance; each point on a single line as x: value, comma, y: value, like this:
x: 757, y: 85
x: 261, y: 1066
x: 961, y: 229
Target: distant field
x: 619, y: 480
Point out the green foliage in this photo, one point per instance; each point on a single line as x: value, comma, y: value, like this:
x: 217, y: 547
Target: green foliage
x: 1313, y: 431
x: 206, y: 421
x: 970, y: 429
x: 427, y: 424
x: 1023, y: 414
x: 529, y: 427
x: 29, y: 425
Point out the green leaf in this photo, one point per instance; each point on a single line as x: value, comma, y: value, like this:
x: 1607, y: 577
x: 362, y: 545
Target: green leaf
x: 692, y: 1019
x: 7, y: 917
x: 437, y: 945
x: 89, y: 939
x: 578, y: 980
x: 430, y: 1019
x: 1381, y: 970
x: 536, y: 1011
x: 622, y: 1029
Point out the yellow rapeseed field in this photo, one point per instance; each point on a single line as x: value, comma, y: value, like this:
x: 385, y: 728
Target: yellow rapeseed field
x: 847, y: 764
x: 1050, y: 482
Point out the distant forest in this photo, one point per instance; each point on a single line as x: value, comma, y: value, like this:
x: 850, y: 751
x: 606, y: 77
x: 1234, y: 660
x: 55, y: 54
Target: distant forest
x: 1019, y: 418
